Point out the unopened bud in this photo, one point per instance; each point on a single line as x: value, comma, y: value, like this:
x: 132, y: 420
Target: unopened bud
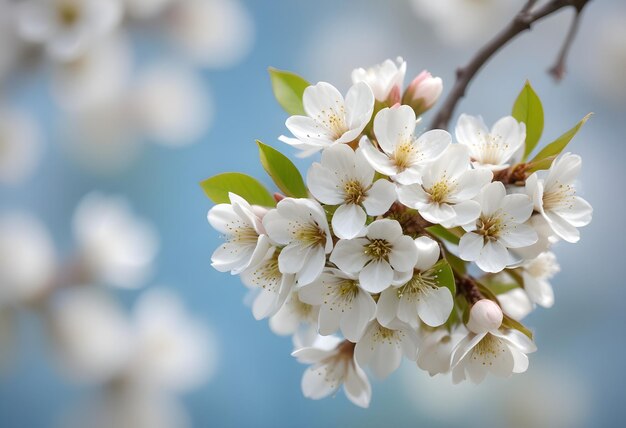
x: 484, y: 316
x: 423, y: 92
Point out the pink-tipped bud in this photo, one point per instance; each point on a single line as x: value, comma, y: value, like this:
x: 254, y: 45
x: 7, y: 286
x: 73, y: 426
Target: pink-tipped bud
x: 423, y: 92
x: 484, y: 316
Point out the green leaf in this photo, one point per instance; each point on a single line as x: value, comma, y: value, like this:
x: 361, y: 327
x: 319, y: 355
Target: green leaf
x: 444, y: 276
x: 218, y: 187
x: 459, y: 266
x: 449, y: 235
x: 500, y: 287
x: 528, y: 109
x: 288, y: 88
x: 283, y: 171
x: 557, y: 146
x: 540, y: 164
x: 508, y: 322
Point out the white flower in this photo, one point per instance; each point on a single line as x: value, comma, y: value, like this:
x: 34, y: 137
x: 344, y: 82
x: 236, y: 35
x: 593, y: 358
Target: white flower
x: 536, y: 273
x: 499, y: 227
x: 344, y: 304
x: 435, y: 349
x: 67, y: 27
x: 146, y: 9
x: 246, y: 242
x: 115, y: 246
x: 27, y: 258
x: 383, y: 256
x: 385, y: 79
x: 487, y: 349
x: 294, y: 315
x: 515, y: 303
x: 301, y: 226
x: 491, y: 149
x: 329, y: 118
x: 333, y: 364
x: 20, y: 146
x: 98, y: 76
x: 171, y: 351
x: 92, y: 336
x: 213, y: 33
x: 345, y: 178
x: 421, y: 297
x: 382, y: 348
x: 447, y: 187
x: 403, y: 156
x: 546, y: 238
x: 555, y: 197
x: 273, y: 286
x: 172, y: 105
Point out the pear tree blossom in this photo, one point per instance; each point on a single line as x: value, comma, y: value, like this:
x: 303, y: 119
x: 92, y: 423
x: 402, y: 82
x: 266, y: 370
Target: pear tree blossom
x: 330, y: 119
x: 491, y: 149
x: 343, y: 304
x: 487, y: 348
x: 403, y: 156
x: 301, y: 226
x: 448, y: 188
x: 345, y: 178
x: 556, y: 200
x: 385, y: 79
x: 422, y: 297
x: 333, y: 364
x: 500, y: 226
x: 382, y: 348
x: 382, y: 256
x: 246, y: 243
x: 393, y: 240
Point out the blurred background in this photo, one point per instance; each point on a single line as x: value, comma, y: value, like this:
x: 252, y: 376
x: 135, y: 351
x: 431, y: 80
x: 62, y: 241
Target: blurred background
x: 105, y: 132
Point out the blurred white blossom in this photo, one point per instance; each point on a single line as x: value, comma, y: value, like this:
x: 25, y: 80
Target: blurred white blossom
x: 20, y: 145
x: 115, y: 246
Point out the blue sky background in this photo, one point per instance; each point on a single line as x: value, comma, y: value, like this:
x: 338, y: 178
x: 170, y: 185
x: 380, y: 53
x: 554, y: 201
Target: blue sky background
x: 581, y: 340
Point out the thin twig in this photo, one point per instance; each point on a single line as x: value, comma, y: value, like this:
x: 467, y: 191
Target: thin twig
x: 558, y: 69
x: 522, y: 22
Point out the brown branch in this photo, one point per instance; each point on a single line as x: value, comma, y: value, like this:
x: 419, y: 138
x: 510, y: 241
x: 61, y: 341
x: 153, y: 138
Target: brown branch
x: 523, y: 21
x: 557, y: 71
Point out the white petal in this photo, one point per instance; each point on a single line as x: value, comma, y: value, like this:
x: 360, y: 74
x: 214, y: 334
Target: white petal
x: 434, y: 309
x: 518, y: 236
x: 387, y: 306
x: 376, y: 276
x: 433, y: 143
x: 349, y: 221
x: 324, y: 185
x: 357, y: 386
x: 359, y: 107
x: 466, y: 212
x: 413, y: 196
x: 394, y: 125
x: 318, y: 99
x: 539, y: 291
x: 517, y: 207
x: 380, y: 197
x: 313, y: 266
x: 428, y: 253
x: 403, y: 255
x: 386, y: 229
x: 221, y: 218
x: 470, y: 130
x: 378, y: 160
x: 492, y: 197
x: 494, y: 257
x: 354, y: 322
x: 292, y: 258
x: 470, y: 246
x: 349, y: 255
x: 316, y: 384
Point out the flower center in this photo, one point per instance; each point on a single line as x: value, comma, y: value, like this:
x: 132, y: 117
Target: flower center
x: 440, y: 191
x: 245, y: 235
x: 267, y: 275
x: 334, y: 121
x: 311, y: 235
x: 487, y: 349
x: 419, y: 284
x: 492, y: 149
x: 404, y: 155
x: 490, y: 227
x: 378, y: 249
x: 353, y: 192
x: 347, y: 289
x: 559, y: 196
x: 68, y: 13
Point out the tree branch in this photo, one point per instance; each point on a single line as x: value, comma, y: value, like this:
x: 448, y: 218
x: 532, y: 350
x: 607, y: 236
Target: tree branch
x: 523, y: 21
x: 558, y: 69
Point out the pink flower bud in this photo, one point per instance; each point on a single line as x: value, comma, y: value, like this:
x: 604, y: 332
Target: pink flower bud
x: 423, y: 92
x: 484, y: 316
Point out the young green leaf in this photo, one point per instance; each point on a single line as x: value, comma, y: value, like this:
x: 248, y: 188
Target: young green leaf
x: 443, y: 233
x: 288, y: 88
x: 557, y: 146
x: 283, y: 171
x: 218, y: 187
x: 459, y: 266
x: 509, y: 322
x: 528, y: 109
x: 444, y: 276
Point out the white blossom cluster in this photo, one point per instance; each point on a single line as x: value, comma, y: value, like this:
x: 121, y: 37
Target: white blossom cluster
x: 373, y: 266
x: 140, y: 359
x: 109, y: 99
